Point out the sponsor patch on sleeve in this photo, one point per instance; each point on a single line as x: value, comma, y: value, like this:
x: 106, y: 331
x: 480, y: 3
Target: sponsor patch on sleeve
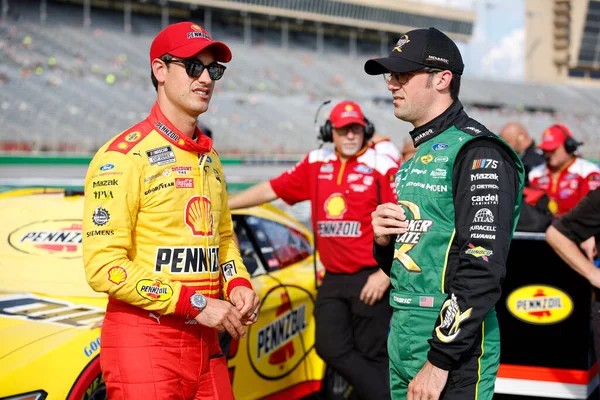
x: 229, y: 270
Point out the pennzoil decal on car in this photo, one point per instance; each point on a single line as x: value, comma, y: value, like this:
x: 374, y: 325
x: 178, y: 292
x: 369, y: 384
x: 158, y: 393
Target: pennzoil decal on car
x: 56, y: 238
x: 154, y: 290
x: 282, y: 338
x: 539, y: 304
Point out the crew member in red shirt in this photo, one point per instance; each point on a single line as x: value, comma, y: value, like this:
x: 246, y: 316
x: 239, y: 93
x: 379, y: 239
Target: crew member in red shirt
x: 344, y: 184
x: 565, y: 177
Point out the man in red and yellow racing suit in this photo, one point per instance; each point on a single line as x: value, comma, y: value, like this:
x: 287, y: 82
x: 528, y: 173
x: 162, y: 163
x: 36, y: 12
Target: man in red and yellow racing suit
x: 565, y: 177
x: 158, y: 237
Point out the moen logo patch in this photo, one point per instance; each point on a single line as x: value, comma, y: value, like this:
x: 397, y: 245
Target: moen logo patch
x: 154, y: 290
x: 59, y: 238
x: 284, y: 333
x: 539, y: 304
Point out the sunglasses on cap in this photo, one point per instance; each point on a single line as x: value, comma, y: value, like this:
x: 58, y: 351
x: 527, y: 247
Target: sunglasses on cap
x: 194, y: 68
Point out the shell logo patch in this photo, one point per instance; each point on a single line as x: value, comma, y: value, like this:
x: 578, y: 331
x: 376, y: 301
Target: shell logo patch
x: 539, y: 304
x: 122, y: 145
x: 335, y: 206
x: 154, y: 290
x: 55, y: 238
x: 133, y: 137
x: 275, y: 342
x: 199, y: 216
x: 117, y: 275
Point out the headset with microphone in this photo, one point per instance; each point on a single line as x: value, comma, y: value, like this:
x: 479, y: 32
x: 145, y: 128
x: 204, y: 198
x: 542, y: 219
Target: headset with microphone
x: 325, y: 132
x: 571, y: 144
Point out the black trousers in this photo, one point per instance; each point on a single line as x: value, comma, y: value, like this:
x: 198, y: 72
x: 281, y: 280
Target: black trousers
x: 351, y: 337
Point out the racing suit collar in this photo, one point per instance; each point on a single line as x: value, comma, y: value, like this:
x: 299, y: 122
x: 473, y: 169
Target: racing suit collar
x: 162, y: 125
x: 438, y: 125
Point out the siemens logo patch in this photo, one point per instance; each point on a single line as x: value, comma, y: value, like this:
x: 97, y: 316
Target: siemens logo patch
x: 187, y: 260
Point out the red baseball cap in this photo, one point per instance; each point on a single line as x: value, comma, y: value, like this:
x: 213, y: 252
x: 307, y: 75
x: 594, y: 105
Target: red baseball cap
x: 346, y: 113
x: 554, y: 137
x: 184, y: 40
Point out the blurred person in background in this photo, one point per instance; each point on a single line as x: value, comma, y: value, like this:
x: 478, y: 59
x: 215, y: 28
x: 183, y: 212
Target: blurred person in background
x: 535, y: 214
x: 445, y: 240
x: 576, y: 230
x: 384, y: 145
x: 408, y: 150
x: 344, y: 184
x: 518, y: 138
x: 565, y: 177
x: 157, y: 223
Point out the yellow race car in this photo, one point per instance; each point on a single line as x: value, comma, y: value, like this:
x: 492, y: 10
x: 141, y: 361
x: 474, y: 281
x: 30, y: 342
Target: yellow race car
x: 50, y: 319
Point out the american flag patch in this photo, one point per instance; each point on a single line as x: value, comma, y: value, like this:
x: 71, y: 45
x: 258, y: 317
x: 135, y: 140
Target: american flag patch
x: 425, y: 301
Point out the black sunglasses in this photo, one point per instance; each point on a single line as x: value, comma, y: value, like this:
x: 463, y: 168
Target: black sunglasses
x: 194, y: 68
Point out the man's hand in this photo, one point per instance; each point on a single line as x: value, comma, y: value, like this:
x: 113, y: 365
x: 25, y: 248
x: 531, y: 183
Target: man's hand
x: 222, y: 315
x: 247, y: 303
x: 589, y: 248
x: 388, y: 219
x: 428, y: 383
x: 376, y: 285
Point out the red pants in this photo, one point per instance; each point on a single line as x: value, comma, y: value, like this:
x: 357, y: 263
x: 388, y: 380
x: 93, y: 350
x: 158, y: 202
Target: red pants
x: 145, y: 357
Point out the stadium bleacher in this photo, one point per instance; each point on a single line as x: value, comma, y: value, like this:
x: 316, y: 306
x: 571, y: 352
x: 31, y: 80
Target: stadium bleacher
x: 69, y: 88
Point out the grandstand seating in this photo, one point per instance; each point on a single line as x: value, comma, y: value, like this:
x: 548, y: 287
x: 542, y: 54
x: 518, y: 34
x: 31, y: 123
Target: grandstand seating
x: 265, y: 104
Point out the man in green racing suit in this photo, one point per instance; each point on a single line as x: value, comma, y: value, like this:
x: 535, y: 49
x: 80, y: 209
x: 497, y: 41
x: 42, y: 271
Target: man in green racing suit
x: 447, y: 238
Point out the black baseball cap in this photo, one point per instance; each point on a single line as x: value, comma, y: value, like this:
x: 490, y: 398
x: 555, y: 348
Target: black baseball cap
x: 417, y: 49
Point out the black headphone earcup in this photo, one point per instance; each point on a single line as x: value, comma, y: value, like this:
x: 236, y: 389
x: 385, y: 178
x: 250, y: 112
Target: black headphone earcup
x: 326, y: 132
x: 369, y: 130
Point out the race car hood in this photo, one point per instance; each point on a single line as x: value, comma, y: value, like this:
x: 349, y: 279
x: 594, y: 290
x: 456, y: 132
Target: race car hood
x: 41, y: 243
x: 18, y: 333
x: 27, y: 318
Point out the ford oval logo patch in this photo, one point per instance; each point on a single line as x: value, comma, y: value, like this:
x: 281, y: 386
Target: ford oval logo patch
x: 439, y: 146
x: 106, y: 167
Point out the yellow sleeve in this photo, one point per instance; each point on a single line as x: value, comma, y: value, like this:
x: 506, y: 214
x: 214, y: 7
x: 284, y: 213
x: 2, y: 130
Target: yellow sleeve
x: 233, y: 270
x: 112, y: 199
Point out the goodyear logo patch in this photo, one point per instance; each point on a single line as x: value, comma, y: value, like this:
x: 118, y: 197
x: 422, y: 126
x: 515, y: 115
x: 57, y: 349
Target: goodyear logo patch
x: 154, y: 290
x: 539, y: 304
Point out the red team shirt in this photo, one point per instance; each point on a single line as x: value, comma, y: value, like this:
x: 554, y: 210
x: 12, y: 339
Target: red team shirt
x: 343, y: 195
x: 576, y: 180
